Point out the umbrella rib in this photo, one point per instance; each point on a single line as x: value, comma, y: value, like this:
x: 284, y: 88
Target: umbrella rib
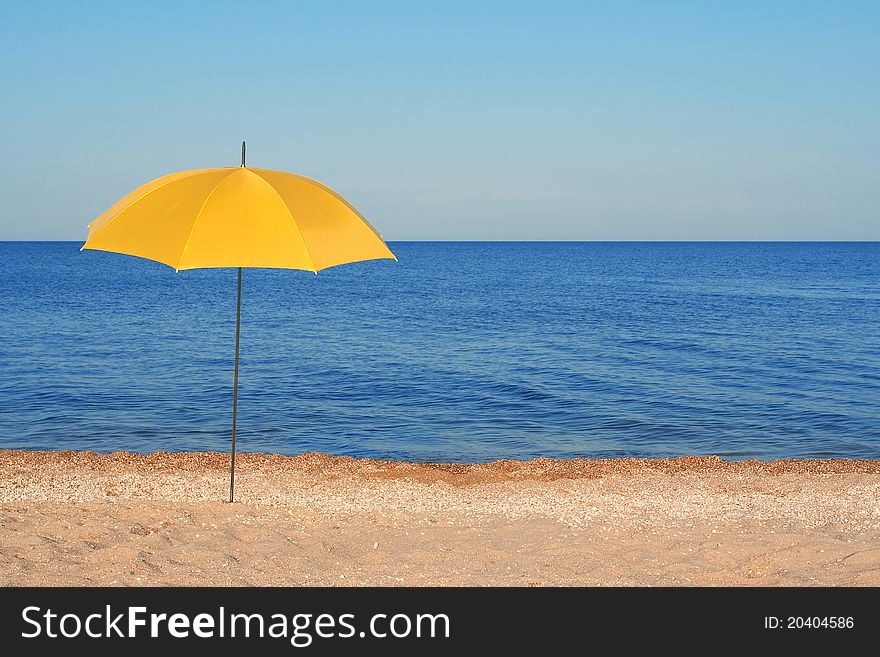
x: 332, y: 192
x: 198, y: 216
x: 292, y: 220
x: 195, y: 172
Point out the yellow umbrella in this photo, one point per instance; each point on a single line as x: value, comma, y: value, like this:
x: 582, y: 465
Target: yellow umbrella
x: 237, y: 217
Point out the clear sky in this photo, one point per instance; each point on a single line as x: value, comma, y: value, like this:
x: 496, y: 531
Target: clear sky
x: 473, y: 120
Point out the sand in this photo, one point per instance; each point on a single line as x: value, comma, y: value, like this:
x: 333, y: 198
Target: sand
x: 78, y: 518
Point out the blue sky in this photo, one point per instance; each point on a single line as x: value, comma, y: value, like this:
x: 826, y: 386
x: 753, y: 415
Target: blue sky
x: 470, y: 121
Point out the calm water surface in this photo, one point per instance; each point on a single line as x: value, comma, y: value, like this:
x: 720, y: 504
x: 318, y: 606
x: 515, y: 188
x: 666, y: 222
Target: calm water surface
x: 458, y: 352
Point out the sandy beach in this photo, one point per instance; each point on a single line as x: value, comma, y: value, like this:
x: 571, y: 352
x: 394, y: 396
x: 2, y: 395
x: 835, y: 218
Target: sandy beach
x: 78, y: 518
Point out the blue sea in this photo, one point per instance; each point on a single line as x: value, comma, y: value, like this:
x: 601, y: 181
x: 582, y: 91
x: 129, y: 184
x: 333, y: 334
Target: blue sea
x: 458, y: 352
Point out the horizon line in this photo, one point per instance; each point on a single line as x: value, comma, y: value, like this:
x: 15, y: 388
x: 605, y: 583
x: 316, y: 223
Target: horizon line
x: 563, y: 241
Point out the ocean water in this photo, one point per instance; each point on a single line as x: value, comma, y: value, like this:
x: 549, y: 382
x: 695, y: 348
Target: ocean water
x: 458, y: 352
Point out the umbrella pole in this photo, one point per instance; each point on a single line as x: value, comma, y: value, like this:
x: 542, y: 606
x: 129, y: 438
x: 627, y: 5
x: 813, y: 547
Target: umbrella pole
x: 235, y: 390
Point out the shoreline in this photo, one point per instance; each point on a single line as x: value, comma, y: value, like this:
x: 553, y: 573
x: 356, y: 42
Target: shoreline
x: 497, y: 470
x: 81, y: 518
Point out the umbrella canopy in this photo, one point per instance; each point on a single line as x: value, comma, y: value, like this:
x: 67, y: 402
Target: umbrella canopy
x: 237, y: 217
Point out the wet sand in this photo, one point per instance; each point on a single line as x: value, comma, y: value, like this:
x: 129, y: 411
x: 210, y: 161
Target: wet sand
x: 78, y: 518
